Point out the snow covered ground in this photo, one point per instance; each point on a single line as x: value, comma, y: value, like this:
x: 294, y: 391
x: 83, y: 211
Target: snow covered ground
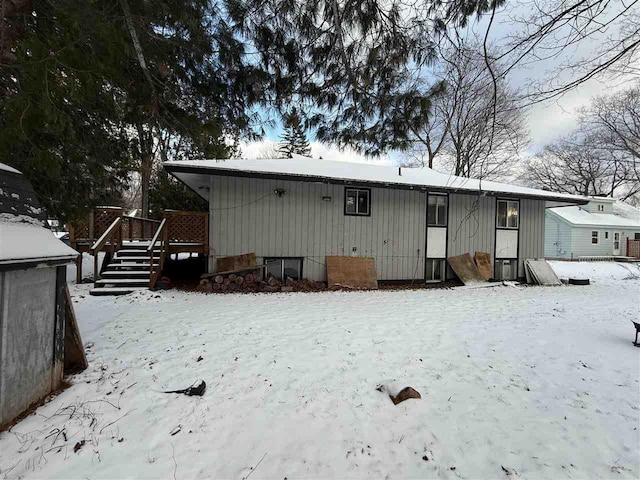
x: 535, y: 382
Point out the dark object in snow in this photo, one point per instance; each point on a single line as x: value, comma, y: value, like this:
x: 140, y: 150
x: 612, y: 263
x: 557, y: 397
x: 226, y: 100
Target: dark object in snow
x: 405, y: 394
x: 176, y: 430
x: 425, y: 458
x: 163, y: 284
x: 78, y: 446
x: 579, y: 281
x: 200, y: 358
x: 637, y: 325
x: 197, y: 389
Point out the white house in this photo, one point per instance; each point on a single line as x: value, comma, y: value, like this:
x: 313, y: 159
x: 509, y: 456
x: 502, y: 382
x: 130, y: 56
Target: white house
x: 600, y: 228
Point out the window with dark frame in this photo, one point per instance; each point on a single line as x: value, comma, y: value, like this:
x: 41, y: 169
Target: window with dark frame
x: 357, y: 201
x: 436, y: 269
x: 594, y: 237
x: 437, y: 210
x: 282, y: 268
x: 508, y: 214
x: 606, y: 235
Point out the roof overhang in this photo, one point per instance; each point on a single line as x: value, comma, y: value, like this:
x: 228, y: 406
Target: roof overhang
x: 198, y: 179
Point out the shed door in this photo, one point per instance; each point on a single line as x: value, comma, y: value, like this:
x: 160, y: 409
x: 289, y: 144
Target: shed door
x: 27, y: 324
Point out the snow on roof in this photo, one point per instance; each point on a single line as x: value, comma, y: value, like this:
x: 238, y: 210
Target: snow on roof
x: 7, y: 168
x: 24, y: 242
x: 318, y: 170
x: 623, y: 216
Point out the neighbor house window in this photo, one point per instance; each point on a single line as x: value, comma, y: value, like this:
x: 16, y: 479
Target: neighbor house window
x: 508, y: 214
x: 437, y: 210
x: 594, y: 237
x: 506, y: 269
x: 435, y: 270
x: 606, y: 235
x: 283, y: 268
x: 357, y: 201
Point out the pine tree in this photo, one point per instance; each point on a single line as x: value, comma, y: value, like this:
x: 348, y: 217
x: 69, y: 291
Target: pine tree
x: 294, y: 139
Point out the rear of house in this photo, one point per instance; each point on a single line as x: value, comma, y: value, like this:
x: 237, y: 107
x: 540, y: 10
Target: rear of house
x: 602, y: 228
x: 293, y: 213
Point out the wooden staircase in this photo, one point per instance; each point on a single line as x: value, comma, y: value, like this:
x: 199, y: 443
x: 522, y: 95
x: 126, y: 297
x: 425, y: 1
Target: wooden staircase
x: 129, y: 270
x: 137, y: 247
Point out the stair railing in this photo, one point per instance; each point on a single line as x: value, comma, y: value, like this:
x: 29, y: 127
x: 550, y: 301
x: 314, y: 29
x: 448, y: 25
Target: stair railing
x: 161, y: 237
x: 112, y: 239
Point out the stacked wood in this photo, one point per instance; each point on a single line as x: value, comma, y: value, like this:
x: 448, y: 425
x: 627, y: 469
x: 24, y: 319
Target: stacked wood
x: 252, y: 281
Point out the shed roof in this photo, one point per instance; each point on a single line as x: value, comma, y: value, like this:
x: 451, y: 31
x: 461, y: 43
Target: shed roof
x: 23, y: 236
x: 194, y: 173
x: 623, y: 216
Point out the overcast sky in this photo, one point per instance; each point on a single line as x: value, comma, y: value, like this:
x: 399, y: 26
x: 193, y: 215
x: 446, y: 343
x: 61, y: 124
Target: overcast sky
x: 545, y: 121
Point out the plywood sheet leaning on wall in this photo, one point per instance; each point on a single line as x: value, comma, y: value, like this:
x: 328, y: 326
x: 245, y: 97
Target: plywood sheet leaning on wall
x: 352, y: 272
x: 466, y: 270
x: 483, y: 262
x: 541, y: 273
x: 236, y: 262
x: 74, y: 357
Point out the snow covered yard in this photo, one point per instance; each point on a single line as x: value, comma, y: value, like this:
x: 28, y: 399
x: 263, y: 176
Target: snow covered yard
x: 533, y: 383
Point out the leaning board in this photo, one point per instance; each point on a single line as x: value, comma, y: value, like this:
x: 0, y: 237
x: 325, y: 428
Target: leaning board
x: 465, y: 269
x: 352, y: 272
x: 483, y: 262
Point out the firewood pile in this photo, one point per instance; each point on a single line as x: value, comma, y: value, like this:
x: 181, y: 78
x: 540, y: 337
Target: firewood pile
x: 253, y: 281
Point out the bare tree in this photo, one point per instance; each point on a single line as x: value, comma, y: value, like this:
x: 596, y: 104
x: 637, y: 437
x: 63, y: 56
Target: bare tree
x: 571, y: 165
x: 487, y: 130
x: 585, y: 39
x: 616, y: 118
x: 469, y: 129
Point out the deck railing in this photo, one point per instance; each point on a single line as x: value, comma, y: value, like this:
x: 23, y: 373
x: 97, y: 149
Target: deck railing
x: 106, y: 228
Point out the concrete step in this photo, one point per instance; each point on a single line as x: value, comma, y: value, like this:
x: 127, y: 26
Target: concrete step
x: 126, y: 274
x: 106, y: 291
x: 122, y: 282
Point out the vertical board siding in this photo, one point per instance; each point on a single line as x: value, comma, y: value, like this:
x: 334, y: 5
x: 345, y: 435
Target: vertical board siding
x: 532, y: 239
x: 246, y: 216
x: 471, y: 224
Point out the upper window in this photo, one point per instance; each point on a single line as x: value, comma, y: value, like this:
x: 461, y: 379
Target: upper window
x: 508, y: 214
x: 601, y: 208
x: 594, y: 237
x: 357, y: 201
x: 437, y: 210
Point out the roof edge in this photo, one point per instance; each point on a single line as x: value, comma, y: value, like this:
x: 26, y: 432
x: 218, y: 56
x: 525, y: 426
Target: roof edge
x: 174, y: 167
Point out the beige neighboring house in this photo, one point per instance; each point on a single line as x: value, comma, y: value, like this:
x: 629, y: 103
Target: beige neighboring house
x: 599, y: 229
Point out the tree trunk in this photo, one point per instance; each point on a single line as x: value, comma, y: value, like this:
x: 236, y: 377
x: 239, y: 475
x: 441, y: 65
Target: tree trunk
x: 145, y: 179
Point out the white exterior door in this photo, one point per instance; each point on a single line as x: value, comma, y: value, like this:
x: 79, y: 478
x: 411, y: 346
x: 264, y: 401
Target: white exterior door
x: 616, y: 243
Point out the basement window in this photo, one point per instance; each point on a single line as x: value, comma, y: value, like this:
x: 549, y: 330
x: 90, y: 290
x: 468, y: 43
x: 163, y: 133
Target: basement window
x: 435, y: 270
x: 357, y: 201
x: 437, y: 210
x: 283, y: 268
x: 506, y: 269
x: 594, y: 237
x: 508, y: 214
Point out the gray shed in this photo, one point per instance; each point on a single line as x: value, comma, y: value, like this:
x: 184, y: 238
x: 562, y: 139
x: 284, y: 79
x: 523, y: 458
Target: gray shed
x: 32, y: 299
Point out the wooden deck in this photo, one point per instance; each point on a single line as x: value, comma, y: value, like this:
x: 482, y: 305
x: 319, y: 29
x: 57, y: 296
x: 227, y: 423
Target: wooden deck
x: 108, y: 230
